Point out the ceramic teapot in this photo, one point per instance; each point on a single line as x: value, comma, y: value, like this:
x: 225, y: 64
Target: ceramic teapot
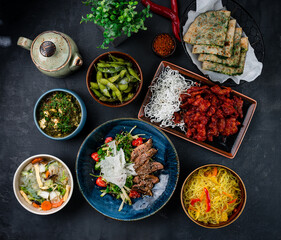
x: 54, y: 53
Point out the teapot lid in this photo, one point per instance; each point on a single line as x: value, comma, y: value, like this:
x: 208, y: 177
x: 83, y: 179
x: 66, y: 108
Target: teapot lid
x: 50, y: 51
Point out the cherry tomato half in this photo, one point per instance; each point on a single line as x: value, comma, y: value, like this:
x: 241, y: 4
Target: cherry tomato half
x: 108, y: 139
x: 95, y: 156
x: 134, y: 194
x: 100, y: 182
x: 137, y: 142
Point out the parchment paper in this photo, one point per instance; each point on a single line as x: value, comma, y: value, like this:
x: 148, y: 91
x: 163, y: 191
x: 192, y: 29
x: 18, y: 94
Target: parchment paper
x: 253, y: 67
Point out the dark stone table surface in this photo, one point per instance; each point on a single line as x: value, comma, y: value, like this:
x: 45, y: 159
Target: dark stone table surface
x: 258, y: 160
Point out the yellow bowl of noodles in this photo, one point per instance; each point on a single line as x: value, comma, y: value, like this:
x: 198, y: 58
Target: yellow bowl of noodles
x: 213, y: 196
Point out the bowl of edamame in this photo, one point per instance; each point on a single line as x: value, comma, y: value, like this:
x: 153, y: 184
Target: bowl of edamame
x: 114, y: 79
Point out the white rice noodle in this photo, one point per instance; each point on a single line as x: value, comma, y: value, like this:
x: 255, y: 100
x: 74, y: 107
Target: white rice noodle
x: 165, y: 99
x: 114, y: 168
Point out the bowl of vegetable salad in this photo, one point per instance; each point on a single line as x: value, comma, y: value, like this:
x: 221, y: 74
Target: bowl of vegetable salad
x: 43, y: 184
x: 127, y: 169
x: 60, y: 114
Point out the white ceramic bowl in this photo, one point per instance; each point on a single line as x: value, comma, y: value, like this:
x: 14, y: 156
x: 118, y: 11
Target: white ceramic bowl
x: 20, y: 198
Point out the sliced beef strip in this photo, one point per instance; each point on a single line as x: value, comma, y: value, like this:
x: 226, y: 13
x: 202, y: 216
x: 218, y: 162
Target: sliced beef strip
x: 151, y: 178
x: 149, y: 167
x: 140, y: 160
x: 142, y: 190
x: 143, y: 187
x: 141, y: 149
x: 144, y: 184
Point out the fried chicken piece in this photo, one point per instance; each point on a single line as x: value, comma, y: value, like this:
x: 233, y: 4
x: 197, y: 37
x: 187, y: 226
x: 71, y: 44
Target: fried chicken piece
x: 202, y: 104
x: 210, y: 111
x: 228, y: 109
x: 238, y: 105
x: 177, y: 117
x: 231, y: 127
x: 221, y: 91
x: 221, y: 125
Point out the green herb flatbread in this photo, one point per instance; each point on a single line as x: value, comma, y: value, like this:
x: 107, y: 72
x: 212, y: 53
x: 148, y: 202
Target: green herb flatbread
x: 233, y: 61
x: 208, y: 28
x: 225, y: 51
x: 217, y: 67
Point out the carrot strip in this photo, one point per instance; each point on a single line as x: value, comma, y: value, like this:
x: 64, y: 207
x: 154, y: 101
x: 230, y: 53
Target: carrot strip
x: 193, y: 208
x: 47, y: 174
x: 36, y: 160
x: 233, y: 201
x: 55, y: 205
x: 46, y: 205
x: 215, y: 171
x: 227, y: 195
x: 202, y: 196
x: 223, y: 208
x: 35, y: 205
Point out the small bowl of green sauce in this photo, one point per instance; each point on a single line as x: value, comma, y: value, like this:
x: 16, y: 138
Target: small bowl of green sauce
x: 60, y: 114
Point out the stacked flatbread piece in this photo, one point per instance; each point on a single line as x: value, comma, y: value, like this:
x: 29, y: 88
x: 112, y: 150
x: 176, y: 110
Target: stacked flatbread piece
x: 218, y: 42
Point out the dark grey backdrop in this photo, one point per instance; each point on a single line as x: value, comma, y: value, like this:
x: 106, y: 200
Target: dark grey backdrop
x: 257, y: 162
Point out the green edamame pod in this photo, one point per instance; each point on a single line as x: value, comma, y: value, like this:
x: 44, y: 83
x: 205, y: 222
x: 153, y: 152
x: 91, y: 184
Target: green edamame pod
x: 133, y: 73
x: 129, y: 96
x: 103, y: 89
x: 99, y: 75
x: 110, y: 70
x: 128, y: 75
x: 129, y: 89
x: 124, y: 81
x: 105, y: 75
x: 114, y: 78
x: 133, y: 80
x: 114, y: 95
x: 129, y: 64
x: 94, y: 85
x: 116, y: 65
x: 97, y: 93
x: 112, y: 87
x: 122, y: 73
x: 105, y: 99
x: 116, y: 59
x: 122, y: 87
x: 104, y: 65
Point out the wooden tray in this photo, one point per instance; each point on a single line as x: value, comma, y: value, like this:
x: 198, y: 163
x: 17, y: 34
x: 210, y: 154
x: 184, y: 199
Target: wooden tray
x: 225, y: 146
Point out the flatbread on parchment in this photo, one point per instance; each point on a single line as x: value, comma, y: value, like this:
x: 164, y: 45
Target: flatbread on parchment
x: 225, y: 51
x: 232, y: 71
x: 208, y: 28
x: 232, y: 61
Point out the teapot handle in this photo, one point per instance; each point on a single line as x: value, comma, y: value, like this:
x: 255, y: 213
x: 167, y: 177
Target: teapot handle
x: 76, y: 62
x: 24, y: 43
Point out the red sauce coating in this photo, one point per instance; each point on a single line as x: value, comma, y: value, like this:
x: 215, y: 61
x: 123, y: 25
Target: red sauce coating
x: 209, y: 112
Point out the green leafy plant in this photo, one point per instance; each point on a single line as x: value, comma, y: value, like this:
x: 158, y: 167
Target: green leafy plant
x: 117, y: 17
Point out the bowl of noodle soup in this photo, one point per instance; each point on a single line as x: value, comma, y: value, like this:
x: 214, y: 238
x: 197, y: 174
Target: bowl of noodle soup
x: 213, y: 196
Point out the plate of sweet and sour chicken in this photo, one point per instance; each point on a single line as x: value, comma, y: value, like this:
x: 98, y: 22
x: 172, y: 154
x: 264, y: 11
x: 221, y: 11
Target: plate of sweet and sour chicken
x: 215, y: 117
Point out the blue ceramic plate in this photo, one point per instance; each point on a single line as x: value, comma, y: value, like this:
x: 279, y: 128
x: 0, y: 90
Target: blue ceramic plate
x: 142, y: 207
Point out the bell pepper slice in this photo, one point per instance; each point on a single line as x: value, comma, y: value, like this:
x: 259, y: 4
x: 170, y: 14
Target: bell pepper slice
x: 193, y: 201
x: 208, y: 200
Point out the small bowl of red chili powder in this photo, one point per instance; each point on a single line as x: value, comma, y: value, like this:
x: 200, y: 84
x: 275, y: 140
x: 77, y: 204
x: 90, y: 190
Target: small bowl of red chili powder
x: 164, y: 45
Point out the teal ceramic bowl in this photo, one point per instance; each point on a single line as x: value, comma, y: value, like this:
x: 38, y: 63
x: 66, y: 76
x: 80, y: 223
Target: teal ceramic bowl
x: 141, y: 207
x: 83, y: 114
